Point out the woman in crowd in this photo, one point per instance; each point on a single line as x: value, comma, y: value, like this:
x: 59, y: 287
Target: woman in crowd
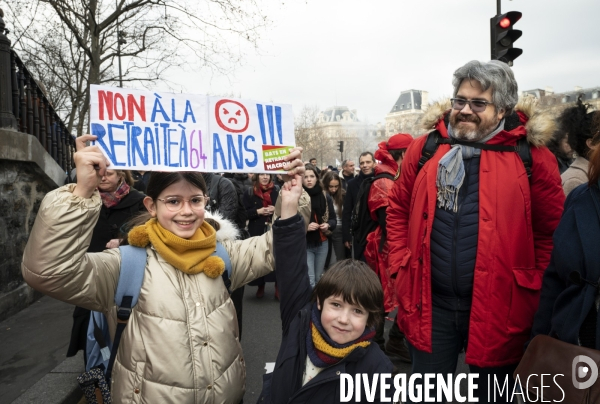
x: 180, y: 344
x: 559, y: 146
x: 333, y: 186
x: 581, y: 128
x: 322, y: 221
x: 120, y: 203
x: 570, y: 300
x: 259, y: 202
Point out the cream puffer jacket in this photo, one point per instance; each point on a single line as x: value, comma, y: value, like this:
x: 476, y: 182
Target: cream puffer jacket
x: 181, y: 343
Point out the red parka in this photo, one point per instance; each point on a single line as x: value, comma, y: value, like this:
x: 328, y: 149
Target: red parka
x: 517, y: 217
x: 378, y: 198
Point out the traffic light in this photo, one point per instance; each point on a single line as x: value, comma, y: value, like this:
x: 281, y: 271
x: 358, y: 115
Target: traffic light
x: 503, y: 36
x: 341, y: 146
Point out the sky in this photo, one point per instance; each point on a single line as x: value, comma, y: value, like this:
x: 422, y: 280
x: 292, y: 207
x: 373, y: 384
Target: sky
x: 362, y: 54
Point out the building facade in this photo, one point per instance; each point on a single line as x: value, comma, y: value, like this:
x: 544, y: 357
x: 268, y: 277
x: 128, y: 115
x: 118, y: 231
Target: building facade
x: 556, y: 102
x: 405, y: 115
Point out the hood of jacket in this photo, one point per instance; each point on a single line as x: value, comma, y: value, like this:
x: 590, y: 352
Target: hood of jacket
x: 387, y: 163
x: 539, y: 124
x: 227, y: 229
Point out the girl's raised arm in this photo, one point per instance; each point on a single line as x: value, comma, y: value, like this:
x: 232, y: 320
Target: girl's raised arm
x: 55, y: 261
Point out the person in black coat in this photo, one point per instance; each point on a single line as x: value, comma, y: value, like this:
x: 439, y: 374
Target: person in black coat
x: 259, y: 201
x: 328, y: 334
x: 367, y: 165
x: 120, y: 203
x: 569, y: 302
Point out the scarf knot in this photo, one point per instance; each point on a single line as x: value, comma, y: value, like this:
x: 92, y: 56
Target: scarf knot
x: 451, y: 169
x: 264, y: 193
x: 322, y: 350
x: 190, y: 256
x: 110, y: 199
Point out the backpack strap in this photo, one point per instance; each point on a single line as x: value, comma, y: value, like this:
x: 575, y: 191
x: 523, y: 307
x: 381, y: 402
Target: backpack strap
x: 429, y: 149
x: 133, y: 266
x: 221, y: 252
x: 523, y: 149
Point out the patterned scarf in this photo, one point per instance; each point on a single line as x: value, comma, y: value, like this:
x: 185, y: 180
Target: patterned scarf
x: 322, y: 350
x: 110, y: 199
x: 451, y: 169
x: 190, y: 256
x: 264, y: 193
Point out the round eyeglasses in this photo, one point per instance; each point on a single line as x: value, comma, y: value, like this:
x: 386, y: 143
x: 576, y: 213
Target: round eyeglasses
x: 475, y: 105
x: 175, y: 203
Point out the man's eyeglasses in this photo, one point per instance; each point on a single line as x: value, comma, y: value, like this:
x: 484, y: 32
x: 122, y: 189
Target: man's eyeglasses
x: 475, y: 105
x: 175, y: 203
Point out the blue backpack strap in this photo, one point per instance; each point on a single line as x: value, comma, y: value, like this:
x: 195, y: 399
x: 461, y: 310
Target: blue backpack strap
x: 222, y: 253
x: 133, y: 266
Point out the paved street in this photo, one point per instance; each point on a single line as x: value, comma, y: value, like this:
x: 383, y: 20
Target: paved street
x: 34, y: 341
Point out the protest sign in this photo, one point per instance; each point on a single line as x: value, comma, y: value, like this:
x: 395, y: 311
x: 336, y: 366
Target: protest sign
x: 144, y: 130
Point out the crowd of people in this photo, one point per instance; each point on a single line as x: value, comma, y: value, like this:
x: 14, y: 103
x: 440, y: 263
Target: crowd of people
x: 463, y: 231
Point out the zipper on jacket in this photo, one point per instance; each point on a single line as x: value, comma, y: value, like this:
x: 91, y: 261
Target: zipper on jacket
x: 454, y: 270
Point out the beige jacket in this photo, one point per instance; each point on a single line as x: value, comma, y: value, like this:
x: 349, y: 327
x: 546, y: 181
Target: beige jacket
x: 181, y: 343
x: 575, y: 175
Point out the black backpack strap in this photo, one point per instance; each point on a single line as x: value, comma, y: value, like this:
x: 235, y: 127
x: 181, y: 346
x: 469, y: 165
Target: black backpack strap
x: 123, y: 314
x: 429, y: 149
x: 482, y: 146
x: 524, y: 151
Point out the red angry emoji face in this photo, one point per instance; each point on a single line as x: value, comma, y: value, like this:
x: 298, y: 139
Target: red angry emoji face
x: 232, y: 116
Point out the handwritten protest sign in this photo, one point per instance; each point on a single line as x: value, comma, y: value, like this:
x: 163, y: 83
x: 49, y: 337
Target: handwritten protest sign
x: 144, y: 130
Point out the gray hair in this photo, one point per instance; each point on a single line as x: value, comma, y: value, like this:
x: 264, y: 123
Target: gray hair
x: 495, y: 74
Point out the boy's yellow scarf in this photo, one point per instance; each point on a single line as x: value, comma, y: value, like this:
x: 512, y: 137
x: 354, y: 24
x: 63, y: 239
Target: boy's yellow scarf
x: 190, y: 256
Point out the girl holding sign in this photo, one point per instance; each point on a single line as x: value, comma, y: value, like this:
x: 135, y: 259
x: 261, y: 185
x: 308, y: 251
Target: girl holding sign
x: 180, y: 344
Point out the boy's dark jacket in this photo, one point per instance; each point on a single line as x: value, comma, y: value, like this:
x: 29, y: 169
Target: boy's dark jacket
x: 284, y: 385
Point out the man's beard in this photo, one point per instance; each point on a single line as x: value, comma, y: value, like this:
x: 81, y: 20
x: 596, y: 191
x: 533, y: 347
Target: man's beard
x: 481, y: 130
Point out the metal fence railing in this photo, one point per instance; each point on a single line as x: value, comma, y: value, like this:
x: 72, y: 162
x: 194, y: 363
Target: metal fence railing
x: 24, y: 106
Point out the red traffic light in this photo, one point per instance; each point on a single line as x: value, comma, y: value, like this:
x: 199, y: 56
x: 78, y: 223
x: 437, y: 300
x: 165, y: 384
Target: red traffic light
x: 504, y: 23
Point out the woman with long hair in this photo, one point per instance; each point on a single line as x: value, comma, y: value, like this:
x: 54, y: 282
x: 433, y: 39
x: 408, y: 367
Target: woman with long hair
x: 333, y: 186
x: 259, y: 202
x: 581, y: 127
x: 322, y: 221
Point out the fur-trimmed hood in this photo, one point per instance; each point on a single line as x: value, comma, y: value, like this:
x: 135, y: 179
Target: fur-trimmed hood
x: 227, y: 229
x: 540, y: 124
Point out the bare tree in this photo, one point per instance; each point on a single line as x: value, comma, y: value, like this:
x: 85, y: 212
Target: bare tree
x: 312, y: 137
x: 74, y: 43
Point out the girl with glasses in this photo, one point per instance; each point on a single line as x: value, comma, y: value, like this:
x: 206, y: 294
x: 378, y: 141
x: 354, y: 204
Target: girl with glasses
x: 181, y: 342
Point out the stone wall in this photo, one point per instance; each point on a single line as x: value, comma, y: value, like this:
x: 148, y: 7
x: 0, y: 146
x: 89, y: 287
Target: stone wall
x: 26, y: 175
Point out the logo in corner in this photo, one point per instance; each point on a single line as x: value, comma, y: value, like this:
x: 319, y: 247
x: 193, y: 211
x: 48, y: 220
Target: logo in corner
x: 582, y: 367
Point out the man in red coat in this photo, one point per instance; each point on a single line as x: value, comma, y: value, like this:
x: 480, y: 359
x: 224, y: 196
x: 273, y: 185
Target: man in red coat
x: 390, y: 155
x: 470, y: 235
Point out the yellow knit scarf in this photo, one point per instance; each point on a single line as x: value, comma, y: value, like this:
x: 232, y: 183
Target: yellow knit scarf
x: 190, y: 256
x: 322, y: 345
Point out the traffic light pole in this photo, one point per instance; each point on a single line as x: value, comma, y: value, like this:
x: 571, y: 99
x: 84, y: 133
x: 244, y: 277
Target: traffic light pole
x: 498, y: 12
